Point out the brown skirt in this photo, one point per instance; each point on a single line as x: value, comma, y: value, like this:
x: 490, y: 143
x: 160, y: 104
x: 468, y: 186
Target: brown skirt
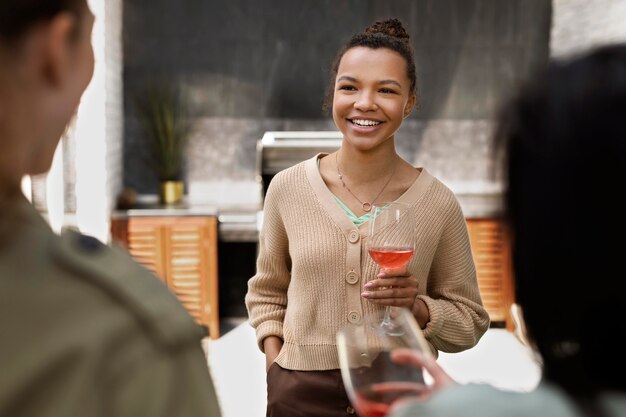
x: 306, y: 394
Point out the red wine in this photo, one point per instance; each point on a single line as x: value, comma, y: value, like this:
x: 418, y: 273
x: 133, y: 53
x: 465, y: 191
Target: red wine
x: 375, y: 400
x: 392, y: 257
x: 371, y: 409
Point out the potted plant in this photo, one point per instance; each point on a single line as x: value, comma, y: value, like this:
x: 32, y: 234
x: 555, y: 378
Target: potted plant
x: 163, y: 115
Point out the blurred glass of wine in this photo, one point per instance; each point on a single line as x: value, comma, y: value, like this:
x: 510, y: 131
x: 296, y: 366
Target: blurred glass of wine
x: 373, y: 381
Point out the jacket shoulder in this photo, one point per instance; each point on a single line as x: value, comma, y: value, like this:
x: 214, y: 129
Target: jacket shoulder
x: 132, y: 286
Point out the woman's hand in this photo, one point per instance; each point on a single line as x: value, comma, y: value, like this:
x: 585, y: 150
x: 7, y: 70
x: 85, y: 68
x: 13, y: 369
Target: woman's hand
x: 392, y: 288
x: 272, y: 346
x: 441, y: 380
x: 397, y: 288
x: 418, y: 359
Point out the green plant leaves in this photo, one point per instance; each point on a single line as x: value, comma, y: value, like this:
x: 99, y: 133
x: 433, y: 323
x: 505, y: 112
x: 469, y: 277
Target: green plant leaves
x: 163, y: 115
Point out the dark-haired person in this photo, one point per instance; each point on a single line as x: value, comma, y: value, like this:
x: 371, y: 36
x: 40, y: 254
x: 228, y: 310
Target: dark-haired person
x: 564, y: 137
x: 313, y: 272
x: 84, y: 330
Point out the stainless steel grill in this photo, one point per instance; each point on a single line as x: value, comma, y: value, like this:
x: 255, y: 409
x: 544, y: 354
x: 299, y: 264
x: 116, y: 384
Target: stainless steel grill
x: 279, y: 150
x: 276, y: 150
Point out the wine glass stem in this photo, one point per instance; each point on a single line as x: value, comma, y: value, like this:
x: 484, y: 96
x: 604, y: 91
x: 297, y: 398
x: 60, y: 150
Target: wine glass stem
x: 387, y: 316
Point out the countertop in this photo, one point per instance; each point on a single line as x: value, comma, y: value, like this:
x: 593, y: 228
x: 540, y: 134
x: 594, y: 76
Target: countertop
x: 157, y: 210
x: 235, y: 222
x: 241, y: 222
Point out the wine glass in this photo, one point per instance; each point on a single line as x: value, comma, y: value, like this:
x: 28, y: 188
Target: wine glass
x: 391, y: 241
x: 373, y: 380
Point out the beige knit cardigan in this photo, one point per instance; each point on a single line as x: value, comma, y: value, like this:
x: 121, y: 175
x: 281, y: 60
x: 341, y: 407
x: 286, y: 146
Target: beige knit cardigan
x: 313, y: 262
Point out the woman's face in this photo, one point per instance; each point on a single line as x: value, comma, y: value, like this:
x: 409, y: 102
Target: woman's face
x: 372, y: 96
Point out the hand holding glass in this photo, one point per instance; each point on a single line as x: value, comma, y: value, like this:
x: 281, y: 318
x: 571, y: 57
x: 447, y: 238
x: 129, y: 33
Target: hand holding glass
x: 373, y: 379
x: 391, y: 240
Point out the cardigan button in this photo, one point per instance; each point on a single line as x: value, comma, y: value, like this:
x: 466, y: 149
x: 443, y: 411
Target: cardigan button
x: 350, y: 410
x: 352, y: 277
x: 353, y: 236
x: 354, y: 317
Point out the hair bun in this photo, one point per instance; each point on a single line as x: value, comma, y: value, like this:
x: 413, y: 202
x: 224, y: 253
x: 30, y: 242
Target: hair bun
x: 389, y: 27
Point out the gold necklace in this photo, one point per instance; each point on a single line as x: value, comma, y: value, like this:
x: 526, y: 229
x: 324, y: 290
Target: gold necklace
x: 366, y: 206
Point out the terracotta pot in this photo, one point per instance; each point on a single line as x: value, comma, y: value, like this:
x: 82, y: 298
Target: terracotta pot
x: 171, y: 192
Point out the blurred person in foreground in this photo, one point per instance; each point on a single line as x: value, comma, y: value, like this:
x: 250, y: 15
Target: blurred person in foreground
x: 84, y: 330
x: 564, y: 143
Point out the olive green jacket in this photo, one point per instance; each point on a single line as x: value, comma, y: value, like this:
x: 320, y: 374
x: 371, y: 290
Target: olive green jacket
x: 85, y: 331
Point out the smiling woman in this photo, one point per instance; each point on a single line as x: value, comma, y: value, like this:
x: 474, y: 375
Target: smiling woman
x: 314, y: 273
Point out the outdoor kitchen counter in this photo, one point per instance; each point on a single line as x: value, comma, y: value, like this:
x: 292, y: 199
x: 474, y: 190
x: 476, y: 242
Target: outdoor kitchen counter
x: 238, y: 228
x: 178, y: 243
x: 235, y: 222
x: 241, y: 222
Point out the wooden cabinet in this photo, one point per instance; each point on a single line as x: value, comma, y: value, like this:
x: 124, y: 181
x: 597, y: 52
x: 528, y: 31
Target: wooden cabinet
x: 181, y: 251
x: 491, y: 249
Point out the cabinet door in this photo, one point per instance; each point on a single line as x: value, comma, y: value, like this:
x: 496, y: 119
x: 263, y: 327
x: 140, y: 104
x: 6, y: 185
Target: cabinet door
x: 181, y: 251
x: 191, y: 267
x: 492, y: 255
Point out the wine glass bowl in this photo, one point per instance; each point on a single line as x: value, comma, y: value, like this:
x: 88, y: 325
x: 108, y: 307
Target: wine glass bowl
x: 373, y: 380
x: 391, y: 240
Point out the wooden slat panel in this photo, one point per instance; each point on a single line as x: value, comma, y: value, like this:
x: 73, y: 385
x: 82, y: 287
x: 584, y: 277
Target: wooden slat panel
x: 182, y: 251
x: 491, y: 252
x: 192, y: 266
x: 145, y: 243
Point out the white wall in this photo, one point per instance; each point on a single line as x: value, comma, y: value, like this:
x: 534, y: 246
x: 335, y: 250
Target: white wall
x: 98, y: 130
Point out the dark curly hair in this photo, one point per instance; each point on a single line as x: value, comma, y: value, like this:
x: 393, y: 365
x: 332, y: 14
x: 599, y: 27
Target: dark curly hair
x: 388, y: 34
x: 17, y: 16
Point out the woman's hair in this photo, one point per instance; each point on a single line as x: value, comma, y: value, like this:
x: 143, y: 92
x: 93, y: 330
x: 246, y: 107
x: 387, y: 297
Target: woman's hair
x: 564, y: 142
x: 389, y: 34
x: 17, y: 16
